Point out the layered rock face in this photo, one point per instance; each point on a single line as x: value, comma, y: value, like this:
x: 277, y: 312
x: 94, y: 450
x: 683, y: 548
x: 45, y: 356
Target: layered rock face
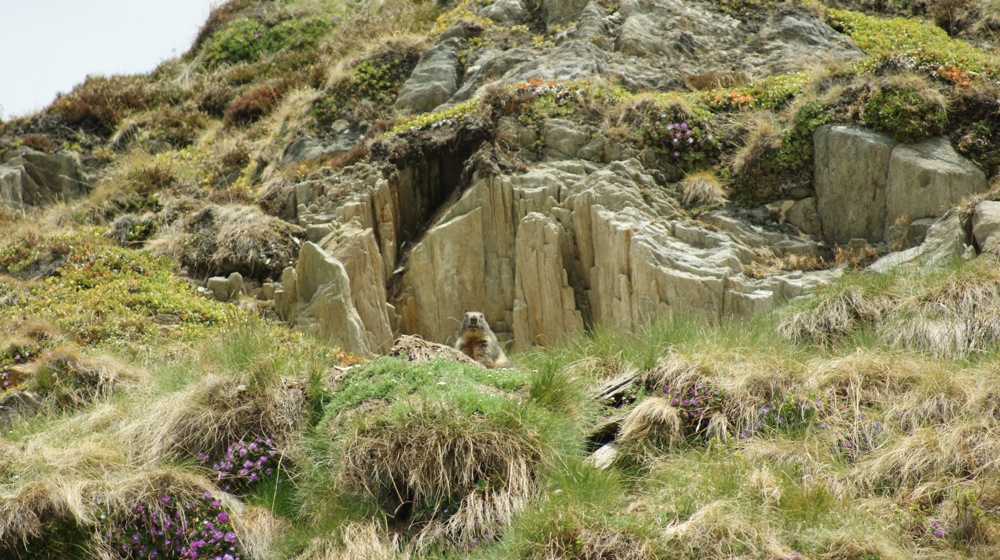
x: 581, y: 230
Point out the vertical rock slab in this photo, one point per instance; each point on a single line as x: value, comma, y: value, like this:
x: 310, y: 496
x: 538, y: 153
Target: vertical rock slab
x: 928, y: 179
x: 434, y: 80
x: 851, y: 174
x: 544, y: 304
x: 325, y: 290
x: 355, y: 247
x: 444, y: 277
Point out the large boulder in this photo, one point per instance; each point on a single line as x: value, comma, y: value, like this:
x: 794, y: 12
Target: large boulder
x: 850, y: 180
x: 33, y: 178
x: 928, y: 179
x: 434, y: 80
x: 986, y: 226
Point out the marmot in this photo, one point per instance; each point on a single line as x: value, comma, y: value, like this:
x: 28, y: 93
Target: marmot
x: 476, y: 340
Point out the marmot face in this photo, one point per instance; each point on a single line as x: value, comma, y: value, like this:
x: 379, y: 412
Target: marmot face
x: 474, y: 321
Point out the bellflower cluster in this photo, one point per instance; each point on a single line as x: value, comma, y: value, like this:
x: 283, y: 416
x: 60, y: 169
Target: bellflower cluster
x: 246, y: 463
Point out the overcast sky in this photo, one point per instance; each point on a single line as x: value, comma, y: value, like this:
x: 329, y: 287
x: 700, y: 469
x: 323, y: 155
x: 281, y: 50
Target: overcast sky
x: 48, y: 46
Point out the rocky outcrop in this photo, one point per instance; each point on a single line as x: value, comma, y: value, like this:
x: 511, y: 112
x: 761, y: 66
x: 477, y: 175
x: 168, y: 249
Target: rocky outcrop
x: 358, y: 251
x: 869, y: 187
x: 32, y: 178
x: 616, y: 251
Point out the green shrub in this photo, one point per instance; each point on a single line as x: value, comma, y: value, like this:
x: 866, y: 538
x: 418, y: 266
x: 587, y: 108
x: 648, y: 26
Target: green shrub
x: 103, y: 294
x: 905, y: 113
x: 240, y: 40
x: 247, y: 40
x: 369, y: 89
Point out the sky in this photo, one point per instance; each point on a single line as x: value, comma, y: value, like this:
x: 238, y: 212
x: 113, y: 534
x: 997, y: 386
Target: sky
x: 49, y: 46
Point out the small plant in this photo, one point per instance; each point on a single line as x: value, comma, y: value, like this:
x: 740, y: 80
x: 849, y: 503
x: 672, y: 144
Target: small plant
x: 694, y: 404
x: 368, y: 90
x: 788, y: 414
x: 14, y: 355
x: 200, y: 528
x: 688, y: 141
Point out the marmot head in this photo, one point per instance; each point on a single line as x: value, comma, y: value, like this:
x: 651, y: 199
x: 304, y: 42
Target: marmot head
x: 474, y: 321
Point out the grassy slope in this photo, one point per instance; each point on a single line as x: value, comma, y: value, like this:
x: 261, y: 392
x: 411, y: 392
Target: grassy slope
x: 873, y: 436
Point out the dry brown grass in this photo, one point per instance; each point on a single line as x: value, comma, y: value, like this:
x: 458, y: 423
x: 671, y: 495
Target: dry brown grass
x: 235, y: 238
x: 212, y: 414
x: 703, y: 190
x: 836, y: 316
x: 763, y: 139
x: 955, y: 319
x: 361, y: 541
x: 652, y: 422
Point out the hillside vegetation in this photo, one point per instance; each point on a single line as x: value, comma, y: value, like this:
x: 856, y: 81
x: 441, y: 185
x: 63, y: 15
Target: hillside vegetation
x: 140, y: 418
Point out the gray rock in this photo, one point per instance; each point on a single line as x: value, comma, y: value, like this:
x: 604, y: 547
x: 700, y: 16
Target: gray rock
x: 788, y: 40
x: 804, y: 215
x: 928, y: 179
x: 306, y: 147
x: 986, y: 226
x: 235, y: 285
x: 851, y: 165
x: 316, y: 232
x: 545, y: 307
x: 219, y: 287
x: 561, y: 11
x: 916, y: 232
x: 566, y: 139
x: 434, y: 80
x: 356, y: 248
x: 505, y: 12
x: 604, y: 457
x: 947, y: 241
x: 32, y: 178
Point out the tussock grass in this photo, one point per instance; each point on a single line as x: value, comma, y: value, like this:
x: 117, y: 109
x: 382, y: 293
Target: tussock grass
x: 423, y: 461
x: 702, y: 189
x: 359, y: 540
x: 836, y: 316
x: 652, y: 421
